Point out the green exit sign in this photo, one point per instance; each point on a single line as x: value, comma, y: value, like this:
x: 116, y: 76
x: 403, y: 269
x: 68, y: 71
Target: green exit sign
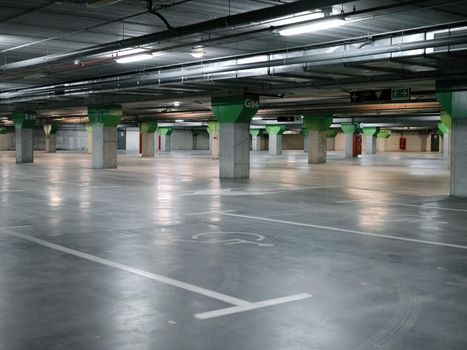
x: 400, y: 94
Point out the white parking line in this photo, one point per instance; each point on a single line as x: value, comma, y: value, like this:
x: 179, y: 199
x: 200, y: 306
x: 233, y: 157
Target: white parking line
x: 240, y: 304
x: 337, y: 229
x: 258, y: 305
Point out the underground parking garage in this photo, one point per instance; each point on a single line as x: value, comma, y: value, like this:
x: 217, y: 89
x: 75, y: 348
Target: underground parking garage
x: 214, y: 174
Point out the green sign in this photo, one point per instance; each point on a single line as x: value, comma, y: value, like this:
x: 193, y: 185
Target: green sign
x: 400, y: 94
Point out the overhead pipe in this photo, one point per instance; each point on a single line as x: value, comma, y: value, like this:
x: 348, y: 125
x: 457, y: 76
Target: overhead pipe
x: 194, y: 72
x: 264, y: 14
x: 122, y: 44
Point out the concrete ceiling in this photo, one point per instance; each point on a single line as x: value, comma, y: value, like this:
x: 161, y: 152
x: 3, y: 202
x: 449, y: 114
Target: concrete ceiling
x: 56, y: 56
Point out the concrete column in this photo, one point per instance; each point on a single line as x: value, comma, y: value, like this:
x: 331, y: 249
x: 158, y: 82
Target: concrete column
x: 51, y: 143
x: 214, y: 145
x: 349, y: 130
x: 4, y: 140
x: 446, y: 144
x: 213, y: 131
x: 104, y: 147
x: 165, y: 143
x: 234, y: 150
x: 275, y: 138
x: 89, y: 134
x: 234, y: 114
x: 331, y: 139
x: 147, y: 130
x: 50, y: 131
x: 147, y: 144
x: 165, y: 134
x: 348, y: 145
x: 256, y: 143
x: 459, y: 157
x: 24, y: 142
x: 275, y: 145
x: 370, y: 144
x: 317, y: 127
x: 306, y: 143
x: 317, y: 147
x: 256, y: 139
x: 24, y: 127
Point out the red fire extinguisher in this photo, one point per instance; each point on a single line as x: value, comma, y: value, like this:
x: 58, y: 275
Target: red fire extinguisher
x: 402, y: 143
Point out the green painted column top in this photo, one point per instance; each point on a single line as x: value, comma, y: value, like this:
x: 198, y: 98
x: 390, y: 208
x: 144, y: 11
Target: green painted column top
x: 442, y: 128
x: 453, y: 102
x: 213, y: 127
x: 331, y: 133
x: 166, y: 130
x: 235, y: 109
x: 50, y: 129
x: 384, y: 134
x: 88, y: 128
x: 256, y: 132
x: 2, y: 130
x: 24, y: 120
x: 304, y: 132
x: 275, y: 129
x: 106, y: 115
x: 317, y: 122
x: 148, y: 127
x: 371, y: 131
x: 349, y: 128
x: 446, y: 119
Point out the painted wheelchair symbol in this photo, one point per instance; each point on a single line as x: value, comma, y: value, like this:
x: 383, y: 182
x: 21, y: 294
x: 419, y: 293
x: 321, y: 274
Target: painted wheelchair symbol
x: 228, y: 238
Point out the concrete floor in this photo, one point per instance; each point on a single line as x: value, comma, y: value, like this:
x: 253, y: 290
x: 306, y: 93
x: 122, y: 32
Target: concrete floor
x: 160, y: 254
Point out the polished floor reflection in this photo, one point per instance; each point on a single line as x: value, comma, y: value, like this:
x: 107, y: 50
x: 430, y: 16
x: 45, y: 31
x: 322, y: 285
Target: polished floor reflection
x: 160, y: 254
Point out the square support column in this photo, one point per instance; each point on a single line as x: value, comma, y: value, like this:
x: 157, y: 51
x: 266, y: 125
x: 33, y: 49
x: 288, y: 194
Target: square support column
x: 348, y: 145
x: 24, y: 127
x: 234, y: 151
x: 275, y: 145
x: 147, y: 131
x: 213, y: 131
x: 89, y: 139
x: 51, y: 143
x: 24, y: 144
x: 256, y: 139
x: 104, y: 147
x: 459, y: 157
x: 147, y: 144
x: 317, y: 146
x: 370, y: 144
x: 165, y: 143
x: 234, y: 114
x: 446, y: 145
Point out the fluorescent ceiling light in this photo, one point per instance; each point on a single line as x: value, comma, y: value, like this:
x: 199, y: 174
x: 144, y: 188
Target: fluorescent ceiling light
x: 313, y: 27
x: 197, y: 52
x: 299, y: 17
x: 134, y: 58
x: 127, y: 52
x: 257, y: 118
x: 179, y: 120
x: 176, y: 103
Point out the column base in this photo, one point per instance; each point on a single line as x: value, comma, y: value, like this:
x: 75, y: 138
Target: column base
x: 234, y: 151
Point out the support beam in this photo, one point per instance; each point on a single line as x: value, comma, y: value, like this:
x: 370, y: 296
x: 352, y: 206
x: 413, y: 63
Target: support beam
x: 104, y: 120
x: 147, y: 130
x: 50, y: 131
x: 370, y: 139
x: 214, y: 131
x: 275, y: 138
x: 349, y: 130
x: 459, y: 157
x: 256, y: 139
x: 89, y: 140
x: 234, y: 114
x: 305, y: 134
x: 165, y: 133
x: 24, y: 125
x: 317, y: 126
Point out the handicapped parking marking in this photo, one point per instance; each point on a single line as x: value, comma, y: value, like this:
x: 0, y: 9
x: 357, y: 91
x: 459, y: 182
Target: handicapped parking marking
x: 228, y: 238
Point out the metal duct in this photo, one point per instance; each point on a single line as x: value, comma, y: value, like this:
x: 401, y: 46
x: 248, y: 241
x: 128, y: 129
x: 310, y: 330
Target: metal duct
x: 265, y: 14
x: 212, y: 70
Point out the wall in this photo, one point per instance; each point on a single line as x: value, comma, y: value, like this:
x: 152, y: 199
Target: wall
x: 201, y: 141
x: 132, y: 139
x: 416, y: 142
x: 292, y: 141
x: 71, y: 137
